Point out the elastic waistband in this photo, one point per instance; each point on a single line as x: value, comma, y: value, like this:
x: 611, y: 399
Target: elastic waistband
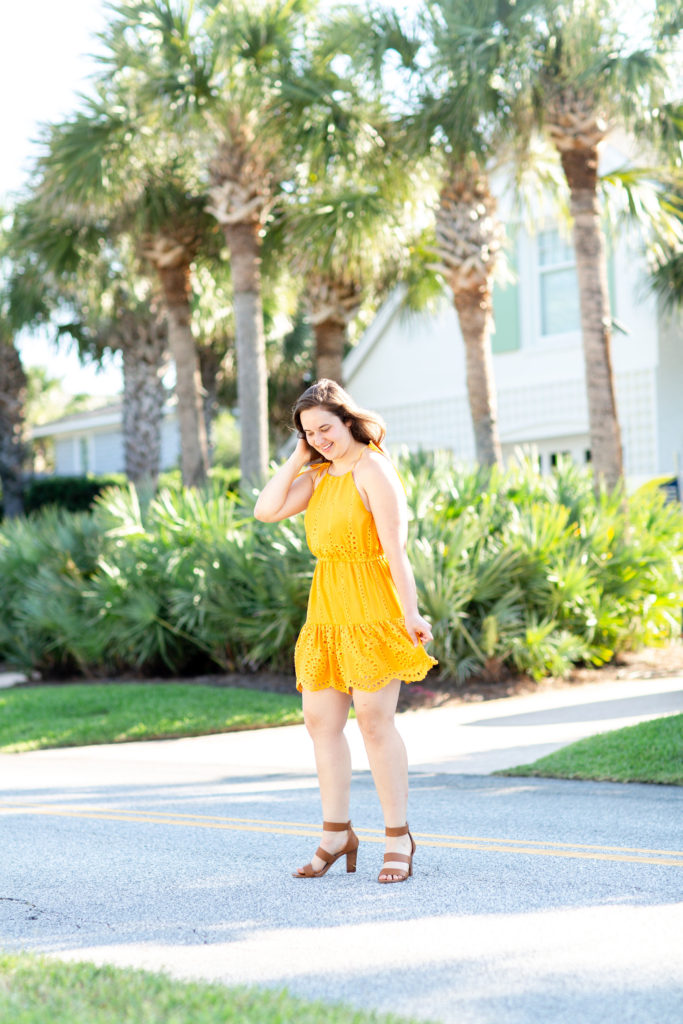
x: 346, y: 561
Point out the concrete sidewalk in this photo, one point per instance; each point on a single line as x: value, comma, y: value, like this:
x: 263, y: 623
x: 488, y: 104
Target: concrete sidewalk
x: 470, y: 739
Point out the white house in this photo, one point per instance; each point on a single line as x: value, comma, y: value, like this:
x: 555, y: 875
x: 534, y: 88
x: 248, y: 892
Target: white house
x: 92, y: 442
x: 410, y: 367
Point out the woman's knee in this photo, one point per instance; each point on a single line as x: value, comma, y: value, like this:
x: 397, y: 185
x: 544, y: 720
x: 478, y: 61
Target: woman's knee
x: 375, y: 724
x: 375, y: 712
x: 326, y: 715
x: 320, y: 725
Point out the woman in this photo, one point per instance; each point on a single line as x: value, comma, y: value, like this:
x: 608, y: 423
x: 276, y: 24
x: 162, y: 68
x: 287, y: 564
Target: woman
x: 363, y: 634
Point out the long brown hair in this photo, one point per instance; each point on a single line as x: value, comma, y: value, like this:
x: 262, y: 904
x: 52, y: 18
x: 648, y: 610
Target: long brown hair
x: 327, y: 394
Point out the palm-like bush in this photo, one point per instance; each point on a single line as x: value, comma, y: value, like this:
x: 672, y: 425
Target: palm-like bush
x: 45, y: 564
x: 515, y: 571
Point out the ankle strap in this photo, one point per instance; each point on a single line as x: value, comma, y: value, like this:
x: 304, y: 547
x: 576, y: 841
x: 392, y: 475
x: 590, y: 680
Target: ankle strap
x: 336, y: 826
x: 401, y: 831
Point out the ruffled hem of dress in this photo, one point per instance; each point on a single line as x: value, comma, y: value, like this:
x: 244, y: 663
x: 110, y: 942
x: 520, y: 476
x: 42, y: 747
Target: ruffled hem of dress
x: 364, y: 657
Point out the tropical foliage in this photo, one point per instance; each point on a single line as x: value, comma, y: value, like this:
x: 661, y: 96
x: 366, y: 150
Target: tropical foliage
x: 516, y: 572
x: 463, y: 64
x: 226, y: 146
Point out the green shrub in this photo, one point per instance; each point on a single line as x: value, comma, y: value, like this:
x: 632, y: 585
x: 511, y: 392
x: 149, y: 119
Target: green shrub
x: 516, y: 571
x: 45, y: 563
x: 226, y: 478
x: 75, y: 493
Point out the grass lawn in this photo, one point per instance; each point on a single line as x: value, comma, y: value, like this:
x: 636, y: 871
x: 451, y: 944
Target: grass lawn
x: 79, y: 714
x: 648, y: 752
x: 34, y: 990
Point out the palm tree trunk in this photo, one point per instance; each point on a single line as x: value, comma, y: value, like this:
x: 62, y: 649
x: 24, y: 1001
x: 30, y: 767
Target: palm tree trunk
x: 194, y: 454
x: 469, y: 237
x: 12, y: 446
x: 144, y: 350
x: 210, y: 363
x: 252, y: 382
x: 333, y: 300
x: 330, y: 342
x: 580, y: 168
x: 475, y: 316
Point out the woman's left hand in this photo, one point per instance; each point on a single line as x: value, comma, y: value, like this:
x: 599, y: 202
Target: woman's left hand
x: 419, y: 630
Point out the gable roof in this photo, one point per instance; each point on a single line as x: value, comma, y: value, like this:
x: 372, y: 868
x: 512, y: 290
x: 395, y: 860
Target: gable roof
x: 104, y: 416
x: 387, y: 311
x: 110, y: 415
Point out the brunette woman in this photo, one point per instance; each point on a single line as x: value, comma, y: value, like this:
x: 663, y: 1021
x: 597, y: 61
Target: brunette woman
x: 363, y: 634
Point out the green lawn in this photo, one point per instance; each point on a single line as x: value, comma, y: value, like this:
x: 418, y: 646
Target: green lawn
x: 648, y: 752
x: 79, y: 714
x: 36, y: 990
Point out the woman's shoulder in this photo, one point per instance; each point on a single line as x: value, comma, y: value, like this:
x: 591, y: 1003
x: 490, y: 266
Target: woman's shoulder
x: 315, y: 471
x: 375, y: 464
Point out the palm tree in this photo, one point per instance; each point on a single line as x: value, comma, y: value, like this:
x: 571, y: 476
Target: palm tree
x: 170, y: 241
x: 104, y: 303
x: 464, y: 62
x: 345, y: 244
x: 120, y: 322
x: 12, y: 444
x: 667, y: 277
x: 237, y: 79
x: 112, y: 309
x: 588, y: 80
x: 213, y: 325
x: 25, y: 301
x: 651, y: 199
x: 103, y: 166
x: 143, y: 342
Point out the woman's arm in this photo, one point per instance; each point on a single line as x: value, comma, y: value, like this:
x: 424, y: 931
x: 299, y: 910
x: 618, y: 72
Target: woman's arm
x: 379, y: 483
x: 286, y: 493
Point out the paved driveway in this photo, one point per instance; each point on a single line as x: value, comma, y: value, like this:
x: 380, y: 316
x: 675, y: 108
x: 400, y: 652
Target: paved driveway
x: 533, y: 900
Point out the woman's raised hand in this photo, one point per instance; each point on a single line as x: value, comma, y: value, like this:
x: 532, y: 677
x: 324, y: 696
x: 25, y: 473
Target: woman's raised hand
x: 302, y: 452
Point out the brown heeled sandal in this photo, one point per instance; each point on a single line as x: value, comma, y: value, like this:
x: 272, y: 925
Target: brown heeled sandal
x: 400, y: 857
x: 351, y: 851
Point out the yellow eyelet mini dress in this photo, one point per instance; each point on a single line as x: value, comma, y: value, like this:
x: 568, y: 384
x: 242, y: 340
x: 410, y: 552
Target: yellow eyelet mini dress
x: 354, y: 637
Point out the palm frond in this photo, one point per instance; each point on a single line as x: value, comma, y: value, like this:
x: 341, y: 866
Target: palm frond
x: 666, y: 276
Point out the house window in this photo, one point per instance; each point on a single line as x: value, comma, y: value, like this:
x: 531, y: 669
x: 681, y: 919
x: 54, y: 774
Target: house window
x: 556, y: 456
x: 558, y: 285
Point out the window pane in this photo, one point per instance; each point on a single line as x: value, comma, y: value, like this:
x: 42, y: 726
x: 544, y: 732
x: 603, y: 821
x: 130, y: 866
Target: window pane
x: 559, y: 302
x: 553, y: 249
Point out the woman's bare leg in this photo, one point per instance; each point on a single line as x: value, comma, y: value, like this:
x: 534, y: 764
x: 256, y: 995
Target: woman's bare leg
x: 388, y: 762
x: 325, y: 714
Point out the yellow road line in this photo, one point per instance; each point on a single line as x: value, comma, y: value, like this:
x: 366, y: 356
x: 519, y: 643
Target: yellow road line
x: 368, y: 833
x: 531, y: 847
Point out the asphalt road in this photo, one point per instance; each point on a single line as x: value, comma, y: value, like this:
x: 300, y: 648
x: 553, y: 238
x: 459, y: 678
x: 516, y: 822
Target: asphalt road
x: 533, y: 900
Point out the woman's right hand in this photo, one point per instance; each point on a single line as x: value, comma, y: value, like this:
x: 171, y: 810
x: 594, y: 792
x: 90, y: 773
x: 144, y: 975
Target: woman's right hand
x: 287, y: 492
x: 302, y: 452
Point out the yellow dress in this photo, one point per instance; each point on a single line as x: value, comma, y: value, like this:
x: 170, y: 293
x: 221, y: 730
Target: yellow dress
x: 354, y: 636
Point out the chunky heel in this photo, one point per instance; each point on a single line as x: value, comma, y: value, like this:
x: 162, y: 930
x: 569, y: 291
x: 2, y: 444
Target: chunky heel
x: 350, y: 849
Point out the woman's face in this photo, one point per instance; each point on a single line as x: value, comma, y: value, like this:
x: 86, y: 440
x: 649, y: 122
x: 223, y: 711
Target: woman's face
x: 325, y: 432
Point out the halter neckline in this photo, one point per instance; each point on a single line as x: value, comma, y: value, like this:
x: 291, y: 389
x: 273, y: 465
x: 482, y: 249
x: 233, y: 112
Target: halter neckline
x: 338, y: 476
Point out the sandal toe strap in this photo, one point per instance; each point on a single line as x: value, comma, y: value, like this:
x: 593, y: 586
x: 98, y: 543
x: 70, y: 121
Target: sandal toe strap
x: 308, y: 871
